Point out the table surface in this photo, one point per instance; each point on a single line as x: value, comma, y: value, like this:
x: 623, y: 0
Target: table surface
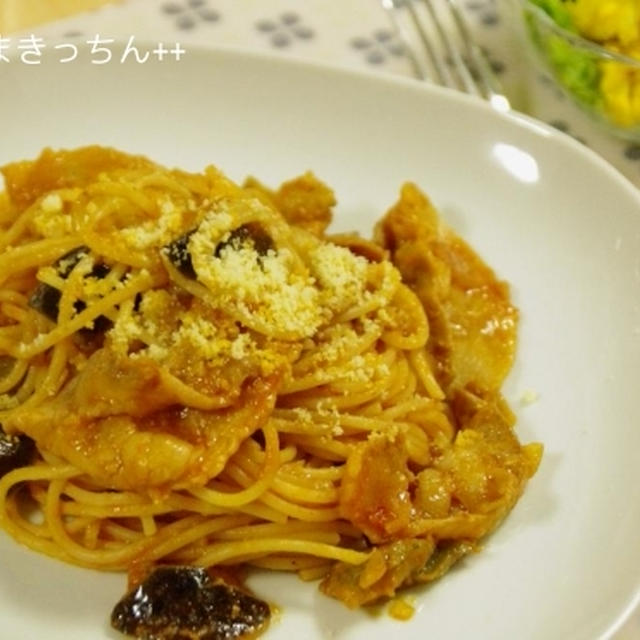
x: 350, y: 33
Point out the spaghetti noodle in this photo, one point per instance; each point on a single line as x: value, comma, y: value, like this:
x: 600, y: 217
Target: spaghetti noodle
x: 210, y: 379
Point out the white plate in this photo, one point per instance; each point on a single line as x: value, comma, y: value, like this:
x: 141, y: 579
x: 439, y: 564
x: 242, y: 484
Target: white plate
x: 549, y: 216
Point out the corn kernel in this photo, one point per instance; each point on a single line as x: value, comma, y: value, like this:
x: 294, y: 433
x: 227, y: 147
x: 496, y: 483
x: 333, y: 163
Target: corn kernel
x: 604, y: 20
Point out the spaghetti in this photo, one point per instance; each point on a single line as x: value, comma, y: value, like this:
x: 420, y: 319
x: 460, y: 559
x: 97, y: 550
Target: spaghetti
x: 210, y: 379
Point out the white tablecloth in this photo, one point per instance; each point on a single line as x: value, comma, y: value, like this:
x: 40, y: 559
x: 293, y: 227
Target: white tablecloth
x: 349, y: 33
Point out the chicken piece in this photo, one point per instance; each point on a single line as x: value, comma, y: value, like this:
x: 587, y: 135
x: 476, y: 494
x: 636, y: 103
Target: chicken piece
x: 388, y: 568
x: 472, y: 322
x: 359, y: 246
x: 119, y: 422
x: 487, y: 466
x: 432, y: 495
x: 26, y: 181
x: 305, y: 201
x: 374, y: 494
x: 111, y: 384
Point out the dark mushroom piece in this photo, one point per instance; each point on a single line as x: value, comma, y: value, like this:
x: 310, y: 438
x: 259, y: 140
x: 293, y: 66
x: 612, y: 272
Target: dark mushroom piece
x: 179, y: 256
x: 180, y: 603
x: 250, y: 233
x: 46, y: 299
x: 15, y: 452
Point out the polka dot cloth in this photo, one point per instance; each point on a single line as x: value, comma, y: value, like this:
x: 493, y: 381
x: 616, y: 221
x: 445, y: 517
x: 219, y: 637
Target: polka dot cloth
x: 357, y: 33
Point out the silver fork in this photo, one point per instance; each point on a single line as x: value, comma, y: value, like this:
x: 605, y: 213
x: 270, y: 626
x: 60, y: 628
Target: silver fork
x: 441, y: 49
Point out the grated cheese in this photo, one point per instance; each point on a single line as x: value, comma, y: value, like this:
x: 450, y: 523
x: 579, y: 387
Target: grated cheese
x: 167, y: 207
x: 529, y: 396
x: 341, y: 275
x: 158, y: 232
x: 52, y: 224
x: 276, y: 293
x: 51, y: 203
x: 268, y: 288
x: 304, y: 415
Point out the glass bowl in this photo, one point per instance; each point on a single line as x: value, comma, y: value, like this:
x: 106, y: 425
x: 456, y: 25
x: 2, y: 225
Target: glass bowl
x: 602, y: 81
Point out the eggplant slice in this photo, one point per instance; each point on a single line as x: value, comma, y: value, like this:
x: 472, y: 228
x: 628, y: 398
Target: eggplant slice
x: 186, y: 603
x: 15, y: 452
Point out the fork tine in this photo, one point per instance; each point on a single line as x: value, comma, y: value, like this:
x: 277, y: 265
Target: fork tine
x: 441, y: 69
x: 465, y: 76
x: 490, y: 86
x: 464, y: 65
x: 419, y: 69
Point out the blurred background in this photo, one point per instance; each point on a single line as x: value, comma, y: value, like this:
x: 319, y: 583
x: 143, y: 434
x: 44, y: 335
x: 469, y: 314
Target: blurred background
x: 359, y: 34
x: 16, y: 15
